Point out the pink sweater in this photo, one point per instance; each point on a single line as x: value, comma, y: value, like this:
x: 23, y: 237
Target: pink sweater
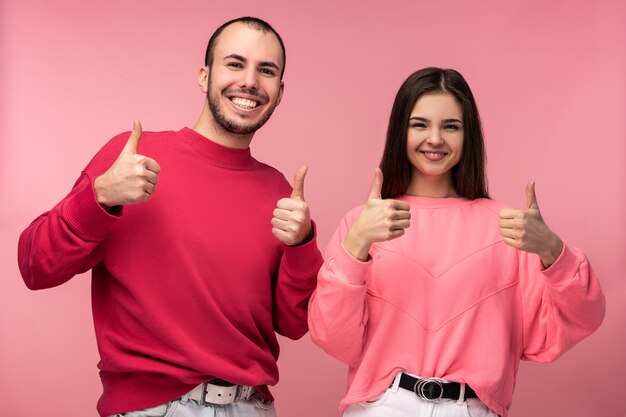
x: 449, y: 299
x: 186, y: 287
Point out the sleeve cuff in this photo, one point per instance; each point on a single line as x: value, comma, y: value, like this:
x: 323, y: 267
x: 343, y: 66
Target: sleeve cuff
x: 88, y: 219
x: 564, y: 269
x: 348, y: 268
x: 304, y: 259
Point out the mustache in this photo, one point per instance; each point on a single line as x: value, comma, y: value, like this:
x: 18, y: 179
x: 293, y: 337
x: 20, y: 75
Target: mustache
x: 246, y: 91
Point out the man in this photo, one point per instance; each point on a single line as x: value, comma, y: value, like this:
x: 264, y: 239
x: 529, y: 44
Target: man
x: 188, y: 284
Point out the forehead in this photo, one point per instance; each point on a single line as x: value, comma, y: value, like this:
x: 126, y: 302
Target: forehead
x: 437, y: 105
x: 250, y: 43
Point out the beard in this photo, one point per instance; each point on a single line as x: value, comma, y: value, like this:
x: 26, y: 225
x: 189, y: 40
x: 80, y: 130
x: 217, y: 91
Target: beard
x: 239, y: 124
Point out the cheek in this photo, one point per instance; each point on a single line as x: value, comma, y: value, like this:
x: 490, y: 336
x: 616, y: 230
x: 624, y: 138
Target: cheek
x: 412, y: 154
x: 459, y: 146
x: 273, y: 90
x: 458, y: 152
x: 223, y: 79
x: 413, y: 141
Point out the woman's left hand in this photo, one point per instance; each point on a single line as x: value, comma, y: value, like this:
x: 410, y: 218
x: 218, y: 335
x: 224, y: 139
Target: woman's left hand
x: 526, y: 230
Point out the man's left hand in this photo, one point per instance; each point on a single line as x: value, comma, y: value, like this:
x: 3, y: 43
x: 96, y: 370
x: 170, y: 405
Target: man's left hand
x: 291, y: 223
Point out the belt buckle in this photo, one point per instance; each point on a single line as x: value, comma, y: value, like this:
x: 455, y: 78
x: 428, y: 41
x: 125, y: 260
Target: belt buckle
x: 421, y: 386
x: 219, y: 395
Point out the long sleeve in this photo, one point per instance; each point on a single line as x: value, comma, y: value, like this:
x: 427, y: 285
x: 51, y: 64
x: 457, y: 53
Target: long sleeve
x: 449, y: 299
x: 195, y: 264
x: 338, y: 311
x: 562, y: 304
x: 64, y: 241
x: 296, y: 281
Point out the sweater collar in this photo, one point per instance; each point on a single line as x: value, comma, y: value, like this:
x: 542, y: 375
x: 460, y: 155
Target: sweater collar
x: 222, y: 155
x: 433, y: 202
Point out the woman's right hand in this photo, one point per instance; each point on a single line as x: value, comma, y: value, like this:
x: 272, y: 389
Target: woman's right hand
x: 379, y: 221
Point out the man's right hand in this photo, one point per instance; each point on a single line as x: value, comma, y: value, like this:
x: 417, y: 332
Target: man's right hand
x: 379, y: 221
x: 131, y: 179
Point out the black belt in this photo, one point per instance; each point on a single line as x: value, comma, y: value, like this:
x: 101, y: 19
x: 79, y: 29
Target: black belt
x: 433, y: 389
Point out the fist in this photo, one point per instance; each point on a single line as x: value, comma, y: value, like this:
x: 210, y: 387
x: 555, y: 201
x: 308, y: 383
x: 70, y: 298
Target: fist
x: 131, y: 179
x: 291, y: 223
x: 526, y: 230
x: 379, y: 221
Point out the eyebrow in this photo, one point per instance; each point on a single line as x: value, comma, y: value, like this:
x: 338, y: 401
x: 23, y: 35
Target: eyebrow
x: 423, y: 119
x: 262, y: 64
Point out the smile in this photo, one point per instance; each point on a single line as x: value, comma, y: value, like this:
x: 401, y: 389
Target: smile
x: 434, y: 156
x: 244, y: 103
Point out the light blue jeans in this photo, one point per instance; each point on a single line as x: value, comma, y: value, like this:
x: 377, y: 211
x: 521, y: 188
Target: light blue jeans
x: 256, y: 406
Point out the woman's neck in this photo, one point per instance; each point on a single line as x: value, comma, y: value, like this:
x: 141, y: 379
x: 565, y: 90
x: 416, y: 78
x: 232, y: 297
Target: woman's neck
x: 435, y: 187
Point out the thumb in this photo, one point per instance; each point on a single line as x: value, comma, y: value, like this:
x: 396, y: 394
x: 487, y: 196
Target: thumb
x: 531, y: 197
x: 298, y: 183
x: 377, y: 185
x: 133, y: 140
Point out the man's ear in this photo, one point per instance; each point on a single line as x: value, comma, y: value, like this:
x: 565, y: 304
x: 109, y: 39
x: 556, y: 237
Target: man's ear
x: 280, y: 92
x: 203, y: 79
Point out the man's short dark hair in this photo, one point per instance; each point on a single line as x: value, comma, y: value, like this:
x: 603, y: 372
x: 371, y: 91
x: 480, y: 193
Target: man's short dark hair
x: 254, y: 23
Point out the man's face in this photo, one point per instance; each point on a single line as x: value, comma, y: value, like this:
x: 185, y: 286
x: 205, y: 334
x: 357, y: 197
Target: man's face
x: 244, y: 85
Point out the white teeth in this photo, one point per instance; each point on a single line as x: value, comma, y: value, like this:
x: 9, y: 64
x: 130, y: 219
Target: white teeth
x: 244, y: 102
x: 435, y: 154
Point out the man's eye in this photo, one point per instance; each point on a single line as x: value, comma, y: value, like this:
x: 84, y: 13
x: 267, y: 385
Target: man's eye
x: 234, y: 65
x: 267, y: 72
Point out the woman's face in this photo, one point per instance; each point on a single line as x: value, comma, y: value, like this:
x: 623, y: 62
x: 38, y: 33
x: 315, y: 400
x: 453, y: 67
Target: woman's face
x: 435, y: 138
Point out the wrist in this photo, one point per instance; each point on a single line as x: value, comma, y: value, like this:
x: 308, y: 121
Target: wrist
x: 98, y: 189
x: 357, y: 245
x: 552, y: 253
x: 307, y: 237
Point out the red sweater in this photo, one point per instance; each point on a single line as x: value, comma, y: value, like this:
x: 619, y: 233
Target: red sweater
x: 186, y: 287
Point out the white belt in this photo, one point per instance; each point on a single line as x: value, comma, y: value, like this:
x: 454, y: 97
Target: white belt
x: 207, y: 393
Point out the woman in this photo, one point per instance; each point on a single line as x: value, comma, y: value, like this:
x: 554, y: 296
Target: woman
x: 431, y: 292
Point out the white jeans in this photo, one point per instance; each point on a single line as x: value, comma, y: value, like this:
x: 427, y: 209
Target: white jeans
x: 399, y: 402
x: 256, y: 406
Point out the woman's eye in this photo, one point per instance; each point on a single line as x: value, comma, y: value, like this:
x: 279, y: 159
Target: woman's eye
x: 452, y: 127
x: 419, y: 125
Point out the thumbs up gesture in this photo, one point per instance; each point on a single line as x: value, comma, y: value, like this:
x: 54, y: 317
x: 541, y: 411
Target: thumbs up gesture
x: 379, y: 221
x: 526, y: 230
x: 131, y: 179
x: 291, y: 223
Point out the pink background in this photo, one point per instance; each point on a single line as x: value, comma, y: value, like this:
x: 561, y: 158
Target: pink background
x: 549, y: 78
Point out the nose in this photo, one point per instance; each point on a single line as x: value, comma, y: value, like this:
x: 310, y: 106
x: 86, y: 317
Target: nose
x: 435, y: 138
x: 249, y: 79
